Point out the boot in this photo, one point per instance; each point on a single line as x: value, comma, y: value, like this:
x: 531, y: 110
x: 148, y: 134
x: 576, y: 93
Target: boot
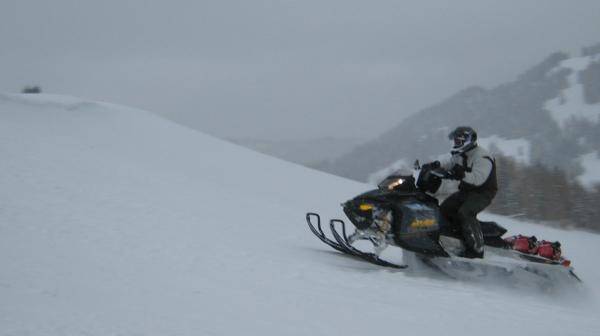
x: 472, y: 254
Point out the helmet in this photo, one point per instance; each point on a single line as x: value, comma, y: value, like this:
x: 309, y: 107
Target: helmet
x: 464, y: 138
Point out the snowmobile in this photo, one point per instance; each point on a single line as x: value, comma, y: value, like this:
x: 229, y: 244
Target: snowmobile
x: 401, y: 213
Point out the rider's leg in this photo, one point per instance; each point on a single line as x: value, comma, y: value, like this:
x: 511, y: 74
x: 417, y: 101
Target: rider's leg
x: 467, y: 217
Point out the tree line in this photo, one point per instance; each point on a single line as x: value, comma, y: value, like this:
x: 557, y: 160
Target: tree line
x: 545, y: 194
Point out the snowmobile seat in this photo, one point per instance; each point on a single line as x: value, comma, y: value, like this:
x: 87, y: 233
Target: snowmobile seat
x: 491, y: 229
x: 492, y: 233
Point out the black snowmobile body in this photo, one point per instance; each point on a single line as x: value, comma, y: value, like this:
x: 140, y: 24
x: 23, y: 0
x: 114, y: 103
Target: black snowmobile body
x: 416, y: 220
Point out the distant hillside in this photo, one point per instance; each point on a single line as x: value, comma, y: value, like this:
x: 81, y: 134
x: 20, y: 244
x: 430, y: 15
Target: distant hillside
x: 548, y: 115
x: 304, y: 152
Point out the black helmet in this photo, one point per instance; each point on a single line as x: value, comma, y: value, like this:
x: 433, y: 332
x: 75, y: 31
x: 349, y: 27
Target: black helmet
x: 464, y: 138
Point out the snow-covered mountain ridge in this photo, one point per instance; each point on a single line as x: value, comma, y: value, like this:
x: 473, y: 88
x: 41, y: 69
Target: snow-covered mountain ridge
x: 550, y: 114
x: 114, y: 221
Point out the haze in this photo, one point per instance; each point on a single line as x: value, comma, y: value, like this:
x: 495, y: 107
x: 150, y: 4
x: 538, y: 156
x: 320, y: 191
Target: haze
x: 282, y: 69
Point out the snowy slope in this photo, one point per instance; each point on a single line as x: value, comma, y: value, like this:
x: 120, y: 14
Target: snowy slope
x: 116, y: 222
x: 517, y: 149
x: 590, y: 163
x: 570, y: 105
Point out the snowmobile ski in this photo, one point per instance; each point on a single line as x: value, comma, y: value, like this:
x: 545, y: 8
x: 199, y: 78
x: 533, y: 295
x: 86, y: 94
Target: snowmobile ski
x: 342, y: 244
x: 321, y: 235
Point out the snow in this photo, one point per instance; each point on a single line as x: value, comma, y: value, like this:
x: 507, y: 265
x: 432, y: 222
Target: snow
x: 114, y: 221
x: 570, y: 104
x: 517, y: 149
x: 591, y: 166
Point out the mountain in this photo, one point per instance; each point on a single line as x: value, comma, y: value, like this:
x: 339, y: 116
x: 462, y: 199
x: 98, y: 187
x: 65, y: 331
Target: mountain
x: 548, y: 115
x: 114, y: 221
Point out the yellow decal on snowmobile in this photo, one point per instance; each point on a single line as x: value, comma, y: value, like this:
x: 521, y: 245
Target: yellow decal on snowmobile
x: 422, y: 223
x: 365, y: 207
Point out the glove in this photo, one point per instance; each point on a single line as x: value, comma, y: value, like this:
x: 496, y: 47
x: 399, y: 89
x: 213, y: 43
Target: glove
x: 456, y: 173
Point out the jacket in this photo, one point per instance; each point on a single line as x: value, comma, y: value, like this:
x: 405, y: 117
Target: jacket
x: 480, y: 171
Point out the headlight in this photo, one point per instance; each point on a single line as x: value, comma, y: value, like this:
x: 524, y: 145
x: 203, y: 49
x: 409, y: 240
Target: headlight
x: 396, y: 183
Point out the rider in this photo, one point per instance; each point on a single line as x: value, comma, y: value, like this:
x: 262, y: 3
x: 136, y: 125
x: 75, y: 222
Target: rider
x: 475, y: 168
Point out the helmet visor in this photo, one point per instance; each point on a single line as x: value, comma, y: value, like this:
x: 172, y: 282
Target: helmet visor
x: 459, y: 138
x: 459, y: 141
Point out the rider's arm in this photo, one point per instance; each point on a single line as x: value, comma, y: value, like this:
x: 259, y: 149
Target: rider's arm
x: 480, y: 171
x: 447, y: 162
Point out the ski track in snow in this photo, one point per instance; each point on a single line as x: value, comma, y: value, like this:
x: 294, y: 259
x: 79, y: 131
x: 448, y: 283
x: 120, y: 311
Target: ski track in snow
x: 114, y: 221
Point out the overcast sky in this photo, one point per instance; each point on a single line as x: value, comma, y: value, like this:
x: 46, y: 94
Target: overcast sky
x: 282, y: 69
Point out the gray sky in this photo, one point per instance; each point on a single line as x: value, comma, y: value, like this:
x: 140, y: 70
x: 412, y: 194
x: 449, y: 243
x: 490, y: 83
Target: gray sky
x: 282, y: 69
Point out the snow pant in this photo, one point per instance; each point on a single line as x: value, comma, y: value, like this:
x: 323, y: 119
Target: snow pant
x: 461, y: 208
